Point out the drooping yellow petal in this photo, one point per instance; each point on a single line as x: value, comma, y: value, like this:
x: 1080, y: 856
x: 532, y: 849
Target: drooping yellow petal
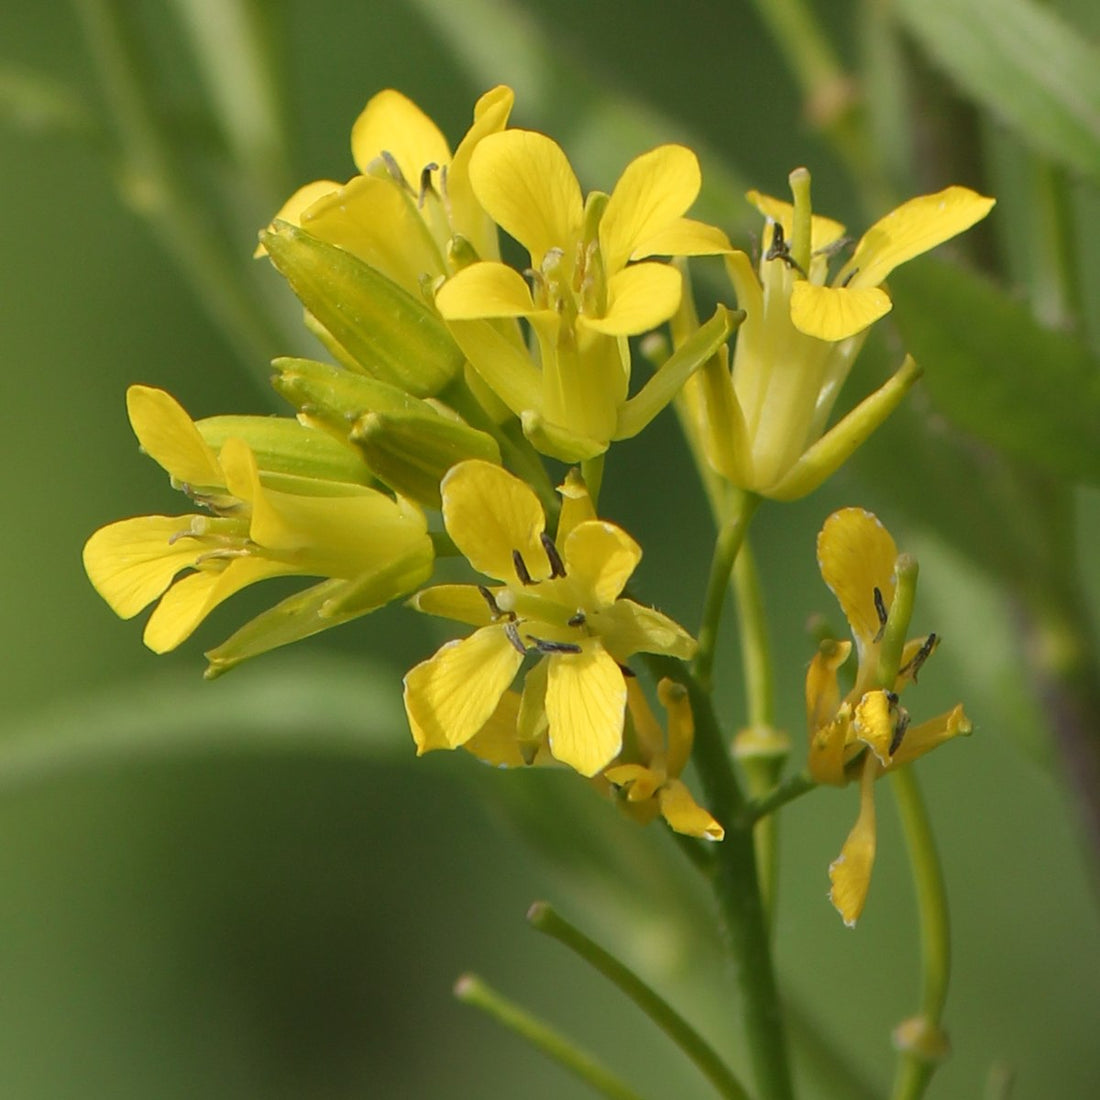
x: 525, y: 183
x: 600, y: 557
x: 169, y: 436
x: 681, y: 724
x: 492, y: 516
x: 654, y: 190
x: 184, y: 606
x: 484, y: 290
x: 639, y: 298
x: 684, y: 237
x: 628, y: 628
x: 822, y: 688
x: 829, y: 748
x: 835, y: 313
x: 856, y: 555
x: 132, y: 562
x: 649, y: 738
x: 823, y: 231
x: 914, y: 227
x: 451, y: 696
x: 532, y: 722
x: 392, y: 123
x: 923, y: 738
x: 640, y: 783
x: 684, y: 815
x: 302, y: 199
x: 585, y: 705
x: 850, y: 872
x: 462, y: 602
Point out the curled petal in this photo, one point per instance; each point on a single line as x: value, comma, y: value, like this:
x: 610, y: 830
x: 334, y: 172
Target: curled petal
x: 576, y: 504
x: 525, y: 183
x: 492, y: 516
x: 462, y: 602
x: 628, y: 628
x: 923, y: 738
x: 850, y: 872
x: 600, y: 557
x: 856, y: 555
x: 654, y: 190
x: 451, y: 696
x: 685, y: 815
x: 393, y: 124
x: 585, y: 705
x: 638, y: 298
x: 681, y: 724
x: 914, y: 227
x: 835, y: 313
x: 484, y: 290
x: 169, y: 437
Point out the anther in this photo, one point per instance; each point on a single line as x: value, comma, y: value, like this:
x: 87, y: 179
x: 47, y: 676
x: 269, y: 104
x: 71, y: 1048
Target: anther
x: 512, y: 631
x: 628, y: 672
x: 881, y: 612
x: 490, y: 599
x: 394, y: 169
x: 781, y: 250
x: 850, y: 276
x: 900, y: 726
x: 557, y: 566
x: 578, y: 620
x: 543, y: 645
x: 425, y: 182
x: 922, y: 655
x: 521, y: 568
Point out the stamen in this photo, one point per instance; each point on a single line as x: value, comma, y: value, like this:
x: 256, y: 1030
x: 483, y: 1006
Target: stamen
x: 922, y: 655
x: 512, y: 631
x: 578, y: 620
x: 557, y: 566
x: 850, y: 276
x: 882, y: 613
x: 901, y: 724
x: 394, y: 169
x: 833, y: 247
x: 521, y: 568
x: 628, y: 672
x: 490, y: 599
x: 543, y: 645
x: 781, y: 250
x: 425, y: 183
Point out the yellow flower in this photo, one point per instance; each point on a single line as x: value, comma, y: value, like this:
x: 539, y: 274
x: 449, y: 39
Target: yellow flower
x: 282, y: 520
x: 559, y: 601
x: 652, y: 785
x: 410, y: 213
x: 586, y: 296
x: 763, y: 422
x: 867, y: 732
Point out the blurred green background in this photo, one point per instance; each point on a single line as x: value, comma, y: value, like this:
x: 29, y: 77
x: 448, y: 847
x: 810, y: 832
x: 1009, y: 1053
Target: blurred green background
x: 252, y: 887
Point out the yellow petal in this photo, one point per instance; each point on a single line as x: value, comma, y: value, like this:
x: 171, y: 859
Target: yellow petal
x: 576, y: 504
x: 392, y: 123
x: 462, y: 602
x: 638, y: 298
x: 532, y: 722
x: 823, y: 231
x: 850, y: 872
x: 451, y: 696
x: 585, y: 704
x: 685, y: 815
x: 484, y: 290
x: 490, y: 116
x: 829, y: 745
x: 627, y: 628
x: 835, y: 313
x: 876, y: 722
x: 638, y: 782
x: 648, y: 735
x: 914, y: 227
x: 132, y: 562
x: 302, y: 199
x: 681, y: 724
x: 491, y: 515
x: 184, y: 606
x: 822, y: 688
x: 654, y: 190
x: 923, y: 738
x: 600, y: 557
x: 684, y: 237
x: 856, y: 555
x: 525, y: 182
x: 495, y: 743
x: 169, y: 436
x: 501, y: 363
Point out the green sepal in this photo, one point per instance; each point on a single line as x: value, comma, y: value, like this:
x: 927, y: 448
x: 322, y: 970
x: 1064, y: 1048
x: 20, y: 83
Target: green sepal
x: 389, y: 333
x: 636, y: 413
x: 329, y: 603
x: 560, y: 443
x: 284, y: 447
x: 334, y: 396
x: 411, y: 450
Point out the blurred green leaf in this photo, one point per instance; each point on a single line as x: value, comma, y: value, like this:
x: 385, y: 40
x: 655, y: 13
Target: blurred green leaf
x: 40, y: 104
x: 995, y: 371
x: 308, y: 704
x: 1034, y: 71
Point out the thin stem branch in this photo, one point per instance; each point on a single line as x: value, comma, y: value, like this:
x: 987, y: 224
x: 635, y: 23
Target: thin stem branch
x: 788, y: 791
x: 544, y: 918
x: 471, y: 990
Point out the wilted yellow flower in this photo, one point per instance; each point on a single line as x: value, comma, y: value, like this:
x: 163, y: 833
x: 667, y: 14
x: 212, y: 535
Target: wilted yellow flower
x: 305, y: 513
x: 867, y: 732
x: 763, y: 421
x: 559, y: 602
x: 586, y: 297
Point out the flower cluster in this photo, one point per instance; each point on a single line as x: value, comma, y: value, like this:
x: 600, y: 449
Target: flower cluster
x: 453, y: 375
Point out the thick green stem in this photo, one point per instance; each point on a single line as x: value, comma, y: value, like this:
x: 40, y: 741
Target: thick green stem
x: 471, y: 990
x: 918, y: 1058
x: 726, y: 547
x: 545, y: 919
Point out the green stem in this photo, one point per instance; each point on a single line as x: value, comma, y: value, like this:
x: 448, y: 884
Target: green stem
x: 737, y: 889
x: 1055, y: 283
x: 158, y: 191
x: 793, y: 788
x: 914, y: 1068
x: 727, y: 544
x: 592, y: 472
x: 471, y: 990
x: 544, y: 918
